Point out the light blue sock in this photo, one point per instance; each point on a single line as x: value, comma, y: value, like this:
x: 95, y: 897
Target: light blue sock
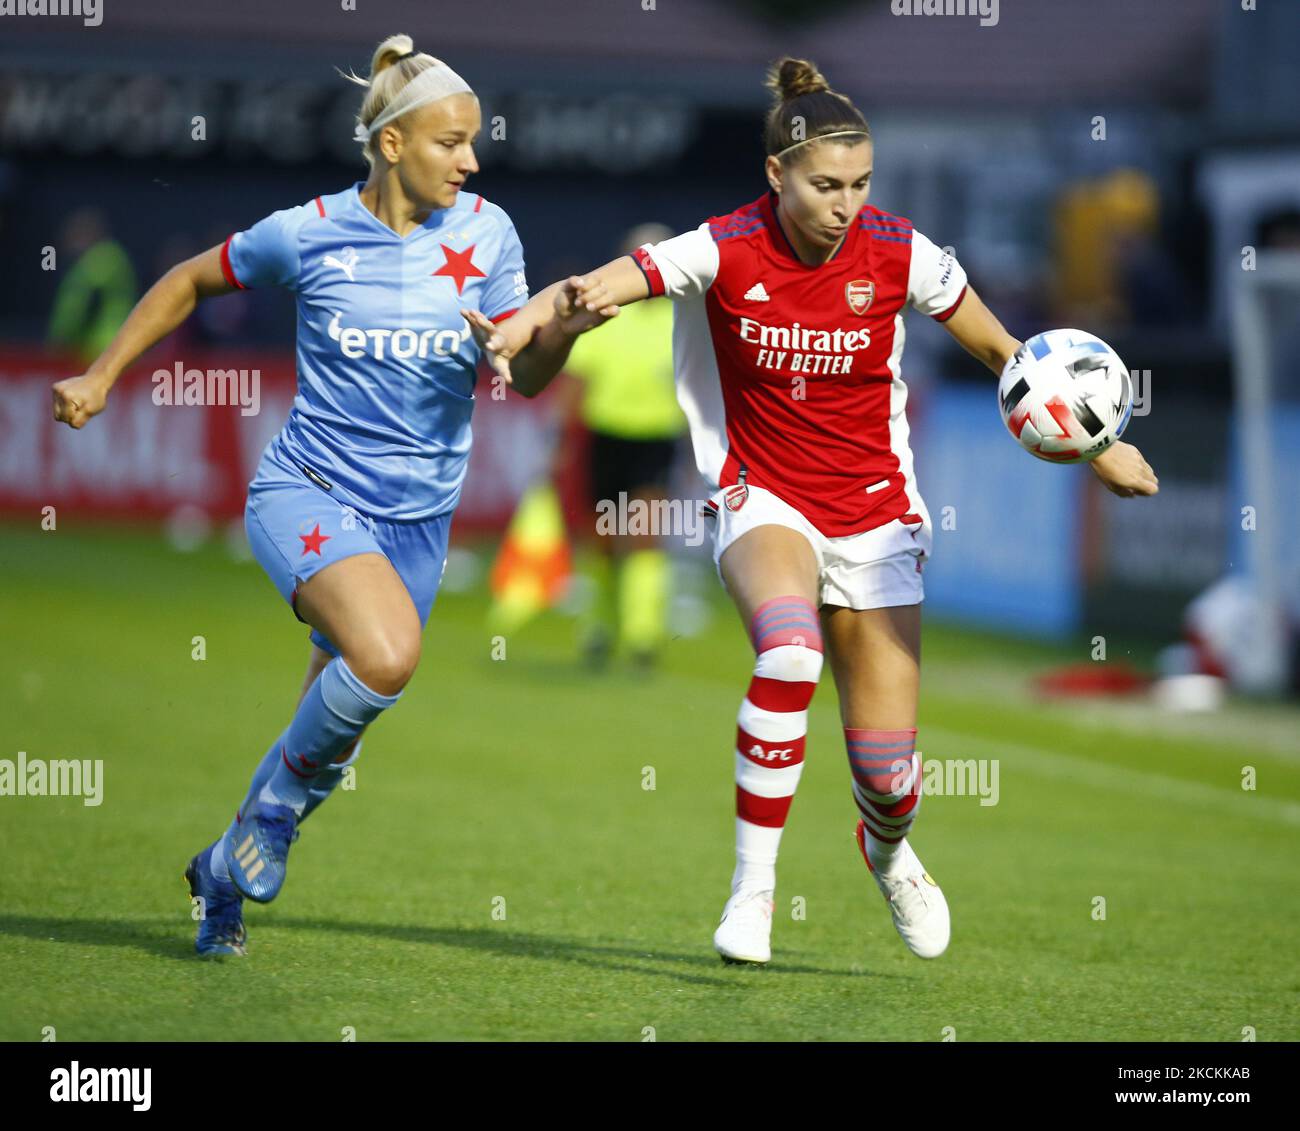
x: 322, y: 786
x: 261, y: 776
x: 324, y: 783
x: 335, y: 710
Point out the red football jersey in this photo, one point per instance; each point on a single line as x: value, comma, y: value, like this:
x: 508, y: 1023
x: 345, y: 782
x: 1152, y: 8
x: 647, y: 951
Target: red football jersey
x: 788, y: 373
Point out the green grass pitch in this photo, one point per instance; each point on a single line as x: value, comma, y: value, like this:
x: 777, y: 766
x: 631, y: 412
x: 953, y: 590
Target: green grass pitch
x: 517, y: 785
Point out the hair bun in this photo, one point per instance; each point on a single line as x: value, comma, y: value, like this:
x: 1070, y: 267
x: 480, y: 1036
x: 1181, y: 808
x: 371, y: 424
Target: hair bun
x: 804, y: 108
x: 791, y: 78
x: 393, y: 50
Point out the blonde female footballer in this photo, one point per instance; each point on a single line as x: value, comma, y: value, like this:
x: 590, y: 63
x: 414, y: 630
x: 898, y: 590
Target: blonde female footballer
x: 351, y: 505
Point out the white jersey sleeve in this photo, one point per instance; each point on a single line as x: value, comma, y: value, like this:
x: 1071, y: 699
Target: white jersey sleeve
x: 936, y: 283
x: 681, y: 267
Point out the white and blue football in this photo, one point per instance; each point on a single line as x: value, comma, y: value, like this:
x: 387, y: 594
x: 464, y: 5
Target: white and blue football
x: 1066, y: 396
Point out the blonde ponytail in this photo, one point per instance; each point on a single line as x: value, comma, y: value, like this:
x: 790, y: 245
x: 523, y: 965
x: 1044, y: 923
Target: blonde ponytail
x: 394, y: 64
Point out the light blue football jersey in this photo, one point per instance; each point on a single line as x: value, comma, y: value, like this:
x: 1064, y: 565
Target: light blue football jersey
x: 386, y: 363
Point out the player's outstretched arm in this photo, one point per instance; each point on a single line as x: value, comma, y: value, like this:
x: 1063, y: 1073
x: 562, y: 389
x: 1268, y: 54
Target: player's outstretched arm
x: 980, y: 334
x: 1120, y: 467
x: 531, y: 346
x: 163, y: 307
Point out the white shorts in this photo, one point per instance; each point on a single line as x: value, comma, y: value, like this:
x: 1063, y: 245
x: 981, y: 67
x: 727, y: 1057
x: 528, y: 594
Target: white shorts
x: 877, y: 569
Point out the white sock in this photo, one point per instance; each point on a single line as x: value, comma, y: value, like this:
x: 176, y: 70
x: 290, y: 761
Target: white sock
x: 884, y: 856
x: 756, y: 848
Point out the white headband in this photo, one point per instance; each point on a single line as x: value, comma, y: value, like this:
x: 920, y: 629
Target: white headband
x: 837, y: 133
x: 438, y: 81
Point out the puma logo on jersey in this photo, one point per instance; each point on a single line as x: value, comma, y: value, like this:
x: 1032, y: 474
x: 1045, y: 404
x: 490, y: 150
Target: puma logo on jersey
x: 347, y: 264
x: 758, y: 293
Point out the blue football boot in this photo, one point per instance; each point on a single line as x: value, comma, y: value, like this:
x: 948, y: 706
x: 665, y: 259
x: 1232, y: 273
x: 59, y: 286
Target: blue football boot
x: 221, y: 925
x: 257, y: 850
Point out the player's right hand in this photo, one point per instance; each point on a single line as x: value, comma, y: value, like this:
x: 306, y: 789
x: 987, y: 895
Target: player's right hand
x: 77, y: 399
x: 494, y: 341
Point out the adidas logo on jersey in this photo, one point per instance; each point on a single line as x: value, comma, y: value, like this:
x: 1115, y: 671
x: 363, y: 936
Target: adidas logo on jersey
x: 758, y: 293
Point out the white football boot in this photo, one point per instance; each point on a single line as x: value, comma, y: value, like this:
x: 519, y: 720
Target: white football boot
x: 917, y: 905
x: 745, y: 933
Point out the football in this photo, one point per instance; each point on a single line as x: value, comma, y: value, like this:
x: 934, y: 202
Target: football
x: 1066, y: 396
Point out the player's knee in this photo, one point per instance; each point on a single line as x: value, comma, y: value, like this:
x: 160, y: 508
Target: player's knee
x: 797, y: 664
x: 387, y: 663
x: 787, y: 641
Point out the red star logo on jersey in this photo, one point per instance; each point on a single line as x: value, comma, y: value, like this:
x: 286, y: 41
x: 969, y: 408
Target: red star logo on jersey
x: 459, y: 266
x: 314, y: 541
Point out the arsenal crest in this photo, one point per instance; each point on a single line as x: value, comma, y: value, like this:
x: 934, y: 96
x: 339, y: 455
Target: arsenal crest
x: 736, y: 496
x: 860, y: 294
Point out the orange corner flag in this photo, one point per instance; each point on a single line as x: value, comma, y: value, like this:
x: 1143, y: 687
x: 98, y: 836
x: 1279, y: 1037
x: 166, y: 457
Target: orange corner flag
x: 532, y: 569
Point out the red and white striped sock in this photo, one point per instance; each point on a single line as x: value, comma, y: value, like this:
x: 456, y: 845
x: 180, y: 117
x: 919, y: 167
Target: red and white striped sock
x: 886, y: 786
x: 770, y: 733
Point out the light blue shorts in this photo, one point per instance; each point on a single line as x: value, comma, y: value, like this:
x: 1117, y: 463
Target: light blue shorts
x: 296, y: 528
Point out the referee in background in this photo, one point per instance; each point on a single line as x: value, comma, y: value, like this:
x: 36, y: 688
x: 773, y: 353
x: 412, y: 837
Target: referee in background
x: 627, y: 400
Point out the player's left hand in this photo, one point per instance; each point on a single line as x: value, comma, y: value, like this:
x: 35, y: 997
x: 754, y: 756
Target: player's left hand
x: 1124, y: 471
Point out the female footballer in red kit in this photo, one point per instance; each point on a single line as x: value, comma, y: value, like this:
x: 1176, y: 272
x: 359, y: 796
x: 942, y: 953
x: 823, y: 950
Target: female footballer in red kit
x: 788, y: 337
